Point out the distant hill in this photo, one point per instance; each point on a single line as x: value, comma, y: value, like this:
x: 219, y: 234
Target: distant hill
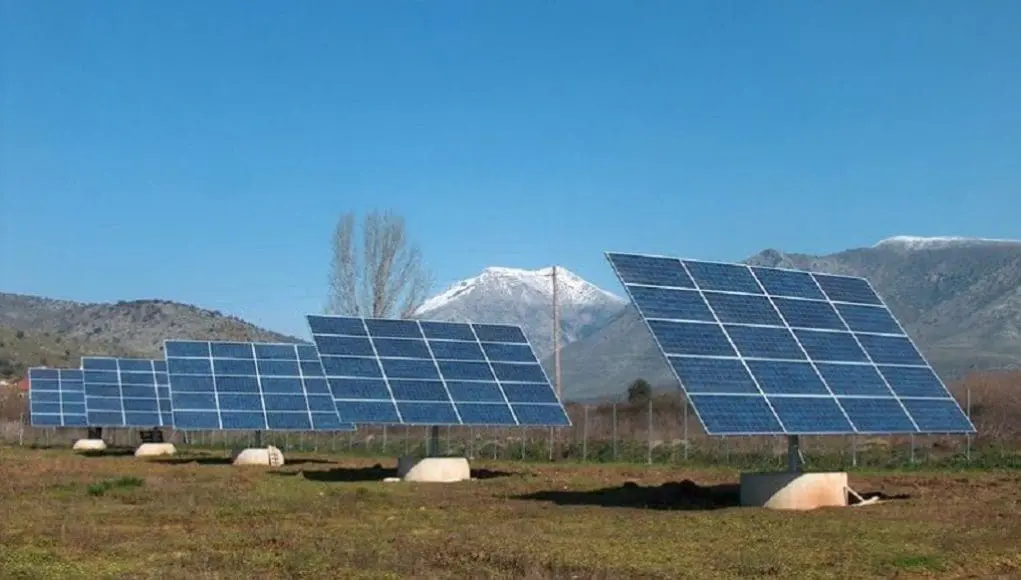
x: 959, y: 298
x: 37, y: 330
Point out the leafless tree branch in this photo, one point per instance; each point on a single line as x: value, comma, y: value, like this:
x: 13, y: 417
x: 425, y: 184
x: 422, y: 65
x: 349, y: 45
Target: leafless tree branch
x: 389, y: 281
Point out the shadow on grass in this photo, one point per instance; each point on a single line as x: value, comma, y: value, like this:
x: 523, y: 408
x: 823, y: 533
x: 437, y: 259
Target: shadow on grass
x: 686, y: 495
x: 375, y: 473
x: 228, y: 461
x: 110, y: 452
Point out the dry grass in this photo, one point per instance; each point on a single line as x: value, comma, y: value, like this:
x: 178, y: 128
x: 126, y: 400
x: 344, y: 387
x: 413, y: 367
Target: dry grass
x: 67, y: 516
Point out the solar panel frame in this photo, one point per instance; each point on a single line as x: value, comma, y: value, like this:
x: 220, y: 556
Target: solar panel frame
x: 95, y: 383
x: 797, y: 290
x: 56, y: 397
x: 201, y: 372
x: 462, y: 357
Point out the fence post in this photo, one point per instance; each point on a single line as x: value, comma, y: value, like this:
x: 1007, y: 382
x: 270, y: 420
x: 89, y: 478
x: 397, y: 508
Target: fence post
x: 584, y: 437
x: 686, y: 443
x: 615, y: 432
x: 967, y: 436
x: 648, y: 429
x: 854, y: 451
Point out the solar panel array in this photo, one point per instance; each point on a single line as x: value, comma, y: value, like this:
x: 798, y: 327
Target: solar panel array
x: 126, y: 392
x: 771, y: 351
x: 434, y: 373
x: 249, y: 386
x: 56, y: 398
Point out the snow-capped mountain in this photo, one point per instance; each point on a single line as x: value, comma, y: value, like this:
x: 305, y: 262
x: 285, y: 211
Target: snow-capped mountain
x: 936, y: 242
x: 525, y: 297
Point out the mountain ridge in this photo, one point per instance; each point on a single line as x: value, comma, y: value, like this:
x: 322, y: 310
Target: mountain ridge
x: 959, y: 300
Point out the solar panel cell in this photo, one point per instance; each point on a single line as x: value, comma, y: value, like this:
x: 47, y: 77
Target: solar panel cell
x: 787, y: 378
x: 383, y: 328
x: 856, y: 377
x: 764, y: 342
x: 788, y: 283
x: 427, y: 382
x: 485, y: 414
x: 847, y: 289
x: 456, y: 350
x: 938, y: 415
x: 499, y: 333
x: 807, y: 415
x: 519, y: 373
x: 735, y: 414
x: 726, y: 277
x: 809, y: 314
x: 868, y: 319
x: 651, y: 271
x: 877, y: 415
x: 853, y: 379
x: 743, y: 309
x: 691, y: 338
x: 913, y: 381
x: 497, y: 351
x: 824, y: 345
x: 475, y: 391
x: 447, y: 330
x: 670, y: 303
x: 398, y: 347
x: 893, y: 350
x: 713, y: 375
x: 529, y: 414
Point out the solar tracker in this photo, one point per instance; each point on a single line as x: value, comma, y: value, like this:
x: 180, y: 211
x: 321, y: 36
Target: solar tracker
x: 772, y: 351
x: 126, y: 392
x: 56, y: 398
x: 421, y: 372
x: 249, y: 386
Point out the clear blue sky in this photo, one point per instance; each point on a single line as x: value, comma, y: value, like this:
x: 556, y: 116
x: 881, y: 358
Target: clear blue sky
x: 201, y: 151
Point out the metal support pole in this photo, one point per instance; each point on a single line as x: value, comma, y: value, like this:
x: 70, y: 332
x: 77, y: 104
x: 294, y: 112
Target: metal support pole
x: 433, y: 449
x: 258, y: 438
x: 793, y: 454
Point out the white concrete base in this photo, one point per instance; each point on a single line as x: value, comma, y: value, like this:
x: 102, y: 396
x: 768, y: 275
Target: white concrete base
x: 89, y: 445
x: 269, y: 456
x: 794, y: 491
x: 155, y: 449
x: 437, y: 469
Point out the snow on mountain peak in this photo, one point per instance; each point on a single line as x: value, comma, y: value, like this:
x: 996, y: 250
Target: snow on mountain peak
x: 571, y: 288
x: 928, y: 243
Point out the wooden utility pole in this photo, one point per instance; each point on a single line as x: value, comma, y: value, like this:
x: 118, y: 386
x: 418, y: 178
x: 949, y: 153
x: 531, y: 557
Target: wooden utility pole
x: 556, y: 337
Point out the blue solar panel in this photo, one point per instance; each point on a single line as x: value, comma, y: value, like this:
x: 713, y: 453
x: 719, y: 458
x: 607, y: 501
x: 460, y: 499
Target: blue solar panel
x: 771, y: 351
x: 434, y: 373
x: 56, y: 398
x: 249, y: 386
x: 126, y: 392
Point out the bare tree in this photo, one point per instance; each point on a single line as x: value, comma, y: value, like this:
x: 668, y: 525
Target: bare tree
x: 381, y: 276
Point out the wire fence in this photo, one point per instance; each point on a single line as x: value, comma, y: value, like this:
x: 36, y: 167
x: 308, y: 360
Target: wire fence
x: 662, y: 431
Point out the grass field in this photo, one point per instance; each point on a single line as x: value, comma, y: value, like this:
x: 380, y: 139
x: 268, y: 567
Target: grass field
x: 196, y: 516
